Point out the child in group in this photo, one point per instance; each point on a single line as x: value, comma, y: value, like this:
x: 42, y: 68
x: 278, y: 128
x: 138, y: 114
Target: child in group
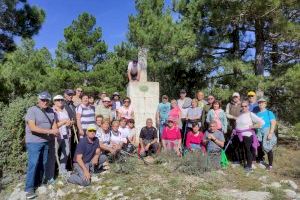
x: 132, y: 132
x: 171, y: 137
x: 194, y: 139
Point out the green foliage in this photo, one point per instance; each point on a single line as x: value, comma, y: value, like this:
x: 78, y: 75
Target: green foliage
x: 18, y: 18
x: 83, y: 47
x: 12, y: 134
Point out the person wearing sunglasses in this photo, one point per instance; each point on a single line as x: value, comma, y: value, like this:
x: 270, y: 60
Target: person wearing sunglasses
x: 105, y: 109
x: 87, y: 158
x: 126, y: 111
x: 246, y: 124
x: 41, y: 127
x: 77, y: 97
x: 253, y: 105
x: 64, y: 124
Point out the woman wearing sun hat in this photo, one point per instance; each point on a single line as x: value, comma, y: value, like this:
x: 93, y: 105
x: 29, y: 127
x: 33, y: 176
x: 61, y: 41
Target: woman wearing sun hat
x: 266, y: 134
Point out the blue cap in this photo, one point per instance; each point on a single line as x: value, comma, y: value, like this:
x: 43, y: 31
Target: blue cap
x: 44, y: 95
x: 69, y: 92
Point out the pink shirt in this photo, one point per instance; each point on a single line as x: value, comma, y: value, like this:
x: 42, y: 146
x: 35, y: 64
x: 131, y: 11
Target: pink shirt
x: 217, y: 118
x: 192, y: 138
x: 126, y: 112
x: 174, y: 113
x: 171, y: 133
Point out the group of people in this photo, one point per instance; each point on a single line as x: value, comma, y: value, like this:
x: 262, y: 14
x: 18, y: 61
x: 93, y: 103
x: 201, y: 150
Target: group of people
x: 92, y: 133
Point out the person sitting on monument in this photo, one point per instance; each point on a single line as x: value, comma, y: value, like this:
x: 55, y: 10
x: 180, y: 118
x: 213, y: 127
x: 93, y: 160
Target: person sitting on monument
x: 171, y: 137
x: 133, y: 71
x: 148, y: 139
x: 126, y: 111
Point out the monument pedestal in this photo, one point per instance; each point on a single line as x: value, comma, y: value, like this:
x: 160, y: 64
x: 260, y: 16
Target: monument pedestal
x: 144, y: 99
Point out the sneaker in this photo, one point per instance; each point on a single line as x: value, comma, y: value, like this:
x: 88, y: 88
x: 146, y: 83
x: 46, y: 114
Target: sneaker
x: 248, y: 170
x: 30, y: 195
x: 51, y: 181
x: 253, y: 166
x: 262, y: 165
x: 269, y: 168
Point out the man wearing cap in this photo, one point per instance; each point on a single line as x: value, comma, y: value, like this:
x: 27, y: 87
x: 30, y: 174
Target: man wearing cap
x: 253, y: 105
x: 87, y: 158
x: 162, y: 113
x: 233, y: 110
x: 184, y: 104
x: 40, y: 127
x: 104, y: 109
x: 133, y: 71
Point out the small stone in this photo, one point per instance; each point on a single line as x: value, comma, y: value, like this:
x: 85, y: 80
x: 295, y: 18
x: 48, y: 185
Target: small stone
x: 50, y: 187
x: 19, y: 185
x: 42, y: 190
x: 263, y: 179
x: 293, y: 184
x: 115, y: 188
x: 290, y: 193
x: 110, y: 194
x: 95, y: 179
x: 60, y: 183
x: 60, y: 193
x: 130, y: 189
x: 275, y: 185
x: 17, y: 195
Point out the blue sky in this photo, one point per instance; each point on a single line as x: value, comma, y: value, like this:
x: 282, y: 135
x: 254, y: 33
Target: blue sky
x: 111, y: 16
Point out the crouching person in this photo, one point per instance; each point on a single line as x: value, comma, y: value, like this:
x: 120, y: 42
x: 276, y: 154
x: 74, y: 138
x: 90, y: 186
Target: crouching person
x: 171, y: 137
x: 215, y: 142
x: 87, y: 158
x: 148, y: 139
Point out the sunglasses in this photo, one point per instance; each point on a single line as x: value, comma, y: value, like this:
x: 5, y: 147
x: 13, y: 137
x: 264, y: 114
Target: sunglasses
x: 250, y: 96
x: 93, y: 131
x: 44, y: 100
x: 59, y: 100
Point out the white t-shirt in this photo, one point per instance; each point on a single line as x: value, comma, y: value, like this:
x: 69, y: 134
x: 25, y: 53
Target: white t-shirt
x: 245, y: 120
x: 184, y: 111
x: 124, y: 132
x: 64, y: 131
x: 103, y: 137
x: 118, y: 105
x: 130, y: 66
x: 116, y: 138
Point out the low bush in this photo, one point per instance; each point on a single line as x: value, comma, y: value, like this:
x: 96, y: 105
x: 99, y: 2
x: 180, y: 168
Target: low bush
x: 12, y: 134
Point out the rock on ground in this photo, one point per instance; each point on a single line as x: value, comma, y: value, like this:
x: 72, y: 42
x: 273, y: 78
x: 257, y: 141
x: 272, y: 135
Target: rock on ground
x: 41, y: 190
x: 290, y: 193
x: 275, y: 185
x: 245, y: 195
x: 17, y: 194
x: 290, y: 183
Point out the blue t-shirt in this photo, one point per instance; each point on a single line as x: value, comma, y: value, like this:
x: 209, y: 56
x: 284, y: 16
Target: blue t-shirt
x: 87, y: 149
x: 164, y: 109
x: 253, y: 107
x: 267, y: 116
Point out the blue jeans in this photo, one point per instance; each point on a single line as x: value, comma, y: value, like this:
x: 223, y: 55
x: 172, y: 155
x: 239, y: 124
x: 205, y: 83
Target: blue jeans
x: 37, y: 159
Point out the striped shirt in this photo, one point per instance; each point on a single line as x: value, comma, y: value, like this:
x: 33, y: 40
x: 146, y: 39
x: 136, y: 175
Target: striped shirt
x: 87, y: 115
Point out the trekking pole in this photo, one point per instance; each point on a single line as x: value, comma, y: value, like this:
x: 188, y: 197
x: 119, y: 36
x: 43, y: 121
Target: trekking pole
x: 56, y: 152
x: 229, y: 142
x: 75, y: 134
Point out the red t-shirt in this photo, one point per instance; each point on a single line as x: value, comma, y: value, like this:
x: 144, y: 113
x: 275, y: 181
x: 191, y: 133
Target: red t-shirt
x: 192, y: 138
x: 171, y: 133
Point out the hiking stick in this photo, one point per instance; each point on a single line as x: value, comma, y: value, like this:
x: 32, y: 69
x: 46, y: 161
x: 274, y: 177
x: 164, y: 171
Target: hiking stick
x: 75, y: 134
x: 56, y: 152
x: 229, y: 142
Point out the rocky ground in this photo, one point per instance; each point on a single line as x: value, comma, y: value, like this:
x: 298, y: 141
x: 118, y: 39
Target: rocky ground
x: 165, y: 179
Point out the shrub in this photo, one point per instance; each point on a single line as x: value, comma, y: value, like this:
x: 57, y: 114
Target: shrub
x: 12, y: 132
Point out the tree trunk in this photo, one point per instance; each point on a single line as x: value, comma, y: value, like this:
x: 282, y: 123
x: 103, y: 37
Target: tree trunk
x: 235, y: 47
x: 259, y: 45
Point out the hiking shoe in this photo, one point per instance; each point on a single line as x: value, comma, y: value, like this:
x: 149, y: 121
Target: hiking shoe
x: 51, y: 181
x: 253, y: 166
x: 30, y: 195
x: 248, y: 170
x: 269, y: 168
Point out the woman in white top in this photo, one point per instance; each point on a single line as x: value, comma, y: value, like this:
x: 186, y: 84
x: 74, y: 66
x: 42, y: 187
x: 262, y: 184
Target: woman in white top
x: 245, y: 125
x: 63, y: 140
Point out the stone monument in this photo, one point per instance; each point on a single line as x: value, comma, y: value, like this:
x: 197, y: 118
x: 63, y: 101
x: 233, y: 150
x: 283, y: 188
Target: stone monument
x: 144, y: 95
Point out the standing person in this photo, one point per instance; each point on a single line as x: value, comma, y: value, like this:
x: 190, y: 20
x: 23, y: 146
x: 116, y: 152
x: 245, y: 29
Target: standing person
x: 266, y: 134
x: 148, y: 139
x: 207, y: 107
x: 133, y: 71
x: 214, y: 140
x: 85, y: 115
x: 194, y: 139
x: 175, y: 113
x: 40, y: 125
x: 77, y: 97
x: 200, y: 97
x: 71, y: 109
x: 101, y: 96
x: 218, y: 115
x: 126, y: 111
x: 194, y: 114
x: 162, y: 113
x: 62, y: 144
x: 87, y: 158
x: 184, y: 104
x: 92, y: 101
x: 253, y: 105
x: 116, y: 104
x: 210, y: 100
x: 246, y: 124
x: 233, y: 110
x: 104, y: 109
x: 171, y: 137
